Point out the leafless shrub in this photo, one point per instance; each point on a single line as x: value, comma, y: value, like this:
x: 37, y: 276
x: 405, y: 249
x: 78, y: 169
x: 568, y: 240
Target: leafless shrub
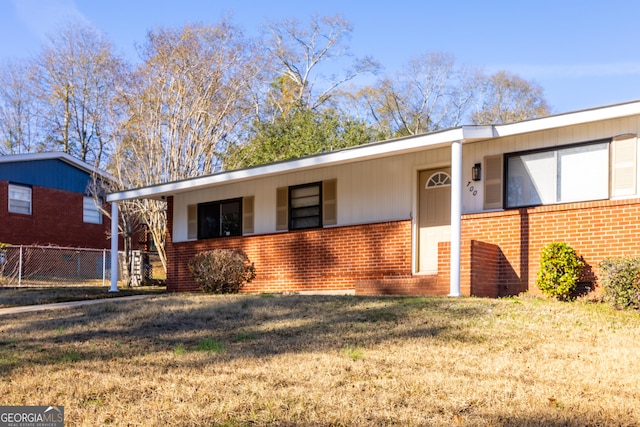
x: 222, y: 271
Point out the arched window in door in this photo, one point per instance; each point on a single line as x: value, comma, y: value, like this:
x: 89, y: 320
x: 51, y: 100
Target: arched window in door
x: 438, y: 179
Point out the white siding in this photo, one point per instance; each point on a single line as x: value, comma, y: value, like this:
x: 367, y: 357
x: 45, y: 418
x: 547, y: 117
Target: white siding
x: 369, y: 191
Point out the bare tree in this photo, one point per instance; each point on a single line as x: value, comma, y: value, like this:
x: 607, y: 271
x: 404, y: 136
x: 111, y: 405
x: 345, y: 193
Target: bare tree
x: 185, y: 103
x: 19, y: 127
x: 508, y: 98
x: 299, y: 54
x: 77, y: 74
x: 428, y: 94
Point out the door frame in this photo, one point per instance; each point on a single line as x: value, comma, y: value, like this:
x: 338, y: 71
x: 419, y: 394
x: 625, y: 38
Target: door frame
x: 415, y: 214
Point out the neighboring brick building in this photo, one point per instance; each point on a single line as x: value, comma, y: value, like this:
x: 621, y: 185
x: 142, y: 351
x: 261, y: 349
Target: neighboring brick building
x: 44, y: 201
x: 464, y: 211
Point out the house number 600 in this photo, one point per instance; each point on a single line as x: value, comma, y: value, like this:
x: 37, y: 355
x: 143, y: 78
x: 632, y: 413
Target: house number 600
x: 472, y: 189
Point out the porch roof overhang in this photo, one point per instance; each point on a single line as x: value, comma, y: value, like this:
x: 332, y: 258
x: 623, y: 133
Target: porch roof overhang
x: 349, y: 155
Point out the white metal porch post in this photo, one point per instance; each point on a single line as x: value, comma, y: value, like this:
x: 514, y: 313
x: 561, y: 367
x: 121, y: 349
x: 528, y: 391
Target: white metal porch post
x: 456, y: 211
x: 114, y: 247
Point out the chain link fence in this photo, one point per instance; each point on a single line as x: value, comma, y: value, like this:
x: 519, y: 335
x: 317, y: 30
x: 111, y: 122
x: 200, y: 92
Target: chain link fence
x: 52, y: 265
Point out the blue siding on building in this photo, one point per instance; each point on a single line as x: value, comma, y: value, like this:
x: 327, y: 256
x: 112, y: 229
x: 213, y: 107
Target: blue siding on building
x: 50, y: 173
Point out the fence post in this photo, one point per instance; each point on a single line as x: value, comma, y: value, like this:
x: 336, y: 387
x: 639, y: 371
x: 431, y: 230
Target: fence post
x: 104, y: 266
x: 20, y: 267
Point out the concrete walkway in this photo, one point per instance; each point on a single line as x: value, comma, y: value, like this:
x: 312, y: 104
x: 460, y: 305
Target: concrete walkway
x: 59, y: 305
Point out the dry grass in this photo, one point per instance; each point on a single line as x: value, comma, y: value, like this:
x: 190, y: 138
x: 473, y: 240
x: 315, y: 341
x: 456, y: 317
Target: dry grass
x: 196, y: 360
x: 46, y: 294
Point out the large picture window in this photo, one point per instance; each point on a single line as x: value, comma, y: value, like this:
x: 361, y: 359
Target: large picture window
x: 305, y: 206
x: 571, y: 174
x: 220, y: 219
x: 20, y: 199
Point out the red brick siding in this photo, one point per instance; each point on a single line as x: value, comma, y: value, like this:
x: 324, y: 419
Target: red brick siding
x: 361, y: 258
x: 56, y: 219
x: 500, y: 252
x: 596, y: 230
x: 425, y: 285
x: 484, y: 270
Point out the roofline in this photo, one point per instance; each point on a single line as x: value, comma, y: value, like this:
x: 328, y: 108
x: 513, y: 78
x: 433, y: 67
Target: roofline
x: 56, y: 155
x: 347, y: 155
x: 464, y: 134
x: 569, y: 119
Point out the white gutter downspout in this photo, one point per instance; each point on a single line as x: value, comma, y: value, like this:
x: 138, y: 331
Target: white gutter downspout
x: 114, y: 247
x: 456, y: 211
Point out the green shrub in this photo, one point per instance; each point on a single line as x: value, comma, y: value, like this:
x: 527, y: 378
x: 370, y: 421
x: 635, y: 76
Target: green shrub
x: 222, y: 271
x: 621, y: 281
x: 559, y: 272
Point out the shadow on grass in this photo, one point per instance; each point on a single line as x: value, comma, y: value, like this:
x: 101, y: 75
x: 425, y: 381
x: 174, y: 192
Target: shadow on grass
x: 247, y: 326
x: 23, y: 296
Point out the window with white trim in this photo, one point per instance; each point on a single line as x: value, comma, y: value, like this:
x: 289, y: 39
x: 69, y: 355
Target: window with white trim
x: 90, y: 211
x: 20, y: 199
x: 562, y: 175
x: 438, y: 179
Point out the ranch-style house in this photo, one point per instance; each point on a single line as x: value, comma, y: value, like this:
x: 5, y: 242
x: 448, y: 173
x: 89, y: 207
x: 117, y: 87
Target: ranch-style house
x: 463, y: 211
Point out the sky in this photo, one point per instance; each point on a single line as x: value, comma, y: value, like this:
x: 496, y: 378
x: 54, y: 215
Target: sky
x: 584, y: 54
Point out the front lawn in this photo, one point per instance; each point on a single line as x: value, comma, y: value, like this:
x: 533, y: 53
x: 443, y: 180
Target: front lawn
x: 245, y: 360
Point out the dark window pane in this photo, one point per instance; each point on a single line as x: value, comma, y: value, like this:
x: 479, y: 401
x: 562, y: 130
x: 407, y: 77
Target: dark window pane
x: 231, y: 215
x: 208, y: 220
x: 309, y: 222
x: 305, y: 207
x: 220, y: 219
x: 305, y: 212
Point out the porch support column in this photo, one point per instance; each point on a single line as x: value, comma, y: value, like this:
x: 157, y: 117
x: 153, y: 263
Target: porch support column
x: 456, y: 211
x: 114, y: 247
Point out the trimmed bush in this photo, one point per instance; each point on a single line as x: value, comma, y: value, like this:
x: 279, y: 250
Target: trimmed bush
x: 559, y: 272
x: 621, y: 282
x: 222, y: 271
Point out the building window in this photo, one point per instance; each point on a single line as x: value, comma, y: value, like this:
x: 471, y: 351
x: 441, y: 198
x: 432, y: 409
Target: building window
x: 20, y: 199
x: 305, y: 206
x: 90, y: 211
x: 220, y: 219
x: 438, y: 179
x: 570, y: 174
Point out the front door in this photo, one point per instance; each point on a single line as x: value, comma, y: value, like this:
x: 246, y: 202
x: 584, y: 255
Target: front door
x: 434, y: 216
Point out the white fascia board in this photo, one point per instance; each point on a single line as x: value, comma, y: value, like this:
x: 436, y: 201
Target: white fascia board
x: 569, y: 119
x: 359, y: 153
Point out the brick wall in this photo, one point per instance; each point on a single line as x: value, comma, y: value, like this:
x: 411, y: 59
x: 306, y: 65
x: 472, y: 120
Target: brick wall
x: 343, y: 258
x: 484, y: 270
x: 56, y: 219
x: 596, y: 230
x: 425, y: 285
x: 500, y: 252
